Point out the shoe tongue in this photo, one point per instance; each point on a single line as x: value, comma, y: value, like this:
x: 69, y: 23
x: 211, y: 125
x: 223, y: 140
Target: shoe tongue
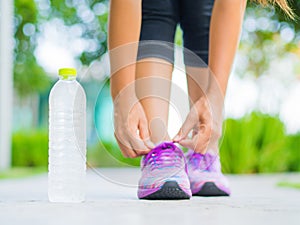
x: 161, y: 147
x: 165, y: 145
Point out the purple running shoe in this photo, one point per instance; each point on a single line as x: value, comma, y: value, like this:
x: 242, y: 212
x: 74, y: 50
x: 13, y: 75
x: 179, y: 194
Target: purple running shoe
x: 206, y: 178
x: 164, y: 174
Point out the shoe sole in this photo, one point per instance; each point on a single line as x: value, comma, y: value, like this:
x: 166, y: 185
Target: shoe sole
x: 169, y: 191
x: 210, y: 189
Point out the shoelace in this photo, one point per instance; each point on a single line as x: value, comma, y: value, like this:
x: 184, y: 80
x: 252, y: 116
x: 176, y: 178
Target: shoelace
x: 205, y: 162
x: 164, y: 155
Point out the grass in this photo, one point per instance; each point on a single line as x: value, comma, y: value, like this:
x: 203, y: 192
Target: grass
x: 20, y: 172
x: 289, y: 185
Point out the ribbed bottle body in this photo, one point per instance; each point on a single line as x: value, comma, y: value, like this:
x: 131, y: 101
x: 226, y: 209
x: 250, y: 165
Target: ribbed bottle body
x: 67, y: 142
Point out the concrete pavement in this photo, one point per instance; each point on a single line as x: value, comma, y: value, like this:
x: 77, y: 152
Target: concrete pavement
x: 111, y: 199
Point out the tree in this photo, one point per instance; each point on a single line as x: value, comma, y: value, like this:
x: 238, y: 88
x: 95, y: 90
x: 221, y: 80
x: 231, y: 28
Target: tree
x: 29, y: 77
x: 268, y: 34
x: 92, y: 16
x: 30, y: 15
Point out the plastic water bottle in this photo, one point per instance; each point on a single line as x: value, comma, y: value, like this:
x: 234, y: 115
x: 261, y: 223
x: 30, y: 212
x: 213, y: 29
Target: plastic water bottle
x: 67, y: 139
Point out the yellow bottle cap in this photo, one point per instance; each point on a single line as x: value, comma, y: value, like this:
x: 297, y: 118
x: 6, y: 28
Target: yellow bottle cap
x: 67, y: 72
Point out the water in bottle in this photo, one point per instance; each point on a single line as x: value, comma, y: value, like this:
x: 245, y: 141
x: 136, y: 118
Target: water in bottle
x: 67, y: 139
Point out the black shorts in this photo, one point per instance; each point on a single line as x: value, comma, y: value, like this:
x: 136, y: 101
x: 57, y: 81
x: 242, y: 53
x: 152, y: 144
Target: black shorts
x: 159, y: 22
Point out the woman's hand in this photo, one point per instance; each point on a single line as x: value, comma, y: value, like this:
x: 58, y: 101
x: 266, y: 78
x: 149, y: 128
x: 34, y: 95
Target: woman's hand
x: 131, y: 127
x: 205, y: 120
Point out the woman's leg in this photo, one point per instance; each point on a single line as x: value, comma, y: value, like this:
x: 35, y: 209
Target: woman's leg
x: 225, y: 28
x: 155, y: 63
x: 153, y: 89
x: 195, y: 22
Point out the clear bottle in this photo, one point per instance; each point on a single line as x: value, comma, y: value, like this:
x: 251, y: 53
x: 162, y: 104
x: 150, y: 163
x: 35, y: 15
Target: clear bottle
x: 67, y: 139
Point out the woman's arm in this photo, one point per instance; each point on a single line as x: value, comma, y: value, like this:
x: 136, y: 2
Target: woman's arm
x: 131, y: 126
x: 225, y: 29
x: 123, y: 36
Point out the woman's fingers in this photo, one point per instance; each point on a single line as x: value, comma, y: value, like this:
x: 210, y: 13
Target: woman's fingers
x: 200, y: 121
x: 189, y: 123
x: 144, y: 133
x: 126, y: 148
x: 139, y: 146
x: 199, y: 142
x: 138, y: 130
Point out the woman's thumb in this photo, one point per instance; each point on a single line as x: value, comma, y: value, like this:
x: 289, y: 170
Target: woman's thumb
x: 186, y: 127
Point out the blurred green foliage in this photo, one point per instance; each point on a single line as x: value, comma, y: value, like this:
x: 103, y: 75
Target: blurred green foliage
x: 109, y: 155
x: 30, y: 148
x: 30, y: 17
x: 20, y: 172
x: 256, y: 143
x: 91, y: 16
x: 289, y: 184
x: 268, y: 34
x: 178, y: 36
x: 29, y: 77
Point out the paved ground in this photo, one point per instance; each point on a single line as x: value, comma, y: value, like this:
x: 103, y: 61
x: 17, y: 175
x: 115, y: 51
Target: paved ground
x: 111, y: 199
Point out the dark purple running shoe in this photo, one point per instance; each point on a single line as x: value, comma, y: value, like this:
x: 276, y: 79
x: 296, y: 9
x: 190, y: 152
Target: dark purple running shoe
x: 164, y: 174
x: 206, y: 178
